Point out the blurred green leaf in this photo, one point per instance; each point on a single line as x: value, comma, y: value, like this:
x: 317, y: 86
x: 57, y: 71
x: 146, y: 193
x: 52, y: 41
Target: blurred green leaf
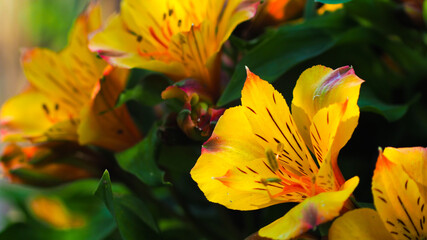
x: 369, y: 103
x: 273, y: 57
x: 310, y: 9
x: 133, y: 218
x: 140, y: 160
x: 144, y: 87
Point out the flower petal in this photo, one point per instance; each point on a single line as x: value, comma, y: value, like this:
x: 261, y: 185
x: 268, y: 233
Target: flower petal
x: 53, y: 119
x: 272, y: 123
x: 414, y: 163
x: 363, y: 223
x: 310, y: 213
x: 232, y: 163
x: 319, y: 87
x: 398, y: 199
x: 104, y: 125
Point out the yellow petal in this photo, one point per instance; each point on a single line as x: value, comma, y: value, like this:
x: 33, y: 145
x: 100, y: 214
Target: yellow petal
x: 398, y: 199
x: 104, y: 125
x: 319, y: 87
x: 272, y: 123
x: 310, y: 213
x: 323, y: 131
x: 53, y: 212
x: 53, y: 120
x: 61, y: 84
x: 363, y: 223
x: 178, y: 38
x: 229, y: 152
x: 68, y: 76
x: 413, y: 161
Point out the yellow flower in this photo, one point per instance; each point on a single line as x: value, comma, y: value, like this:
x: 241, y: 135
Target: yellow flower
x: 257, y: 155
x: 179, y: 38
x: 66, y: 99
x: 399, y: 187
x: 53, y: 212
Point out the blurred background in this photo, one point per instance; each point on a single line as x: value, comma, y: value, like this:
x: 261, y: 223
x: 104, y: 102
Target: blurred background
x: 34, y: 23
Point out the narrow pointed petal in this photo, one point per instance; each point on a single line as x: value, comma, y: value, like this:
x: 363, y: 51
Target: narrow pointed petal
x: 269, y: 117
x: 398, y: 199
x: 363, y: 223
x: 319, y: 87
x: 310, y: 213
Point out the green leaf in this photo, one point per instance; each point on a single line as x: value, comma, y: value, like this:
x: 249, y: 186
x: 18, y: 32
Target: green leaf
x: 140, y: 160
x: 369, y: 103
x: 270, y: 59
x: 144, y: 87
x: 132, y: 217
x: 332, y: 1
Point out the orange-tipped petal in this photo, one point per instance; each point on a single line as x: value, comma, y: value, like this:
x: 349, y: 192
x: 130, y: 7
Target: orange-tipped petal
x: 397, y: 197
x: 363, y: 223
x: 310, y: 213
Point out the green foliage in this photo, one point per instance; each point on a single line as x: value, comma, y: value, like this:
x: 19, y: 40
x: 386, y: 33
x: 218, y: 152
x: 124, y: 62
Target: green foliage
x: 132, y: 217
x: 140, y: 159
x: 77, y: 197
x: 277, y: 54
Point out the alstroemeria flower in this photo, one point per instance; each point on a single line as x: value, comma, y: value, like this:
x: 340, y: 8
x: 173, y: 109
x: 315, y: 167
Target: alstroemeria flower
x: 399, y: 187
x: 178, y: 38
x: 71, y: 95
x: 257, y: 155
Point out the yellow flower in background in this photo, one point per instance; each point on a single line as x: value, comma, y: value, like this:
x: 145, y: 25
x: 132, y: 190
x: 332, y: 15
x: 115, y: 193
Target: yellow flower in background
x: 399, y: 187
x: 71, y: 95
x: 181, y: 39
x: 53, y: 212
x: 257, y: 155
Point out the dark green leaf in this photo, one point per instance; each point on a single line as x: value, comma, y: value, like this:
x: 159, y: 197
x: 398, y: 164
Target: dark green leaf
x: 140, y: 160
x: 144, y: 87
x: 369, y: 103
x: 132, y: 217
x: 273, y: 57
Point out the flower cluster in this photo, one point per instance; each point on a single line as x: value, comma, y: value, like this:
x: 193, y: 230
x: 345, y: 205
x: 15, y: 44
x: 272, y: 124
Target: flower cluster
x: 139, y: 95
